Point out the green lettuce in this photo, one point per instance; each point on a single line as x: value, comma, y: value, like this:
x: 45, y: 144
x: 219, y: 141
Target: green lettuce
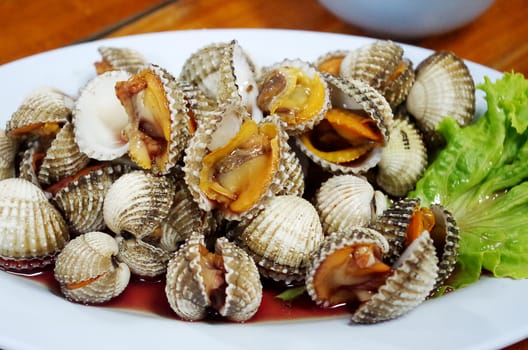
x: 481, y: 177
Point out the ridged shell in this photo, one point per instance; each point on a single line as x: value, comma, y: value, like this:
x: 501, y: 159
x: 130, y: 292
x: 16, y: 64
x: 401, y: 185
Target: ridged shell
x: 88, y: 271
x: 376, y: 64
x: 244, y: 289
x: 336, y: 241
x: 142, y: 258
x: 224, y: 125
x: 32, y: 231
x: 443, y: 87
x: 224, y: 72
x: 184, y: 218
x: 26, y: 166
x: 282, y: 237
x: 403, y: 159
x: 446, y: 237
x: 393, y: 225
x: 8, y: 150
x: 353, y: 94
x: 179, y: 119
x: 120, y: 58
x: 330, y: 62
x: 411, y: 282
x: 99, y: 118
x: 137, y: 203
x: 63, y: 157
x: 291, y: 173
x: 45, y: 105
x: 81, y: 200
x: 294, y: 122
x: 185, y: 288
x: 345, y: 201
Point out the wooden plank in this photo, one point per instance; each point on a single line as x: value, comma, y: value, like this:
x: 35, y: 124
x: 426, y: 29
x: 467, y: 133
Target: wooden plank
x: 31, y: 26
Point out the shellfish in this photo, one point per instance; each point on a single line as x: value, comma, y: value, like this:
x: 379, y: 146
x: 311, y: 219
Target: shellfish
x: 226, y: 281
x: 88, y: 270
x: 32, y: 231
x: 8, y: 149
x: 119, y: 58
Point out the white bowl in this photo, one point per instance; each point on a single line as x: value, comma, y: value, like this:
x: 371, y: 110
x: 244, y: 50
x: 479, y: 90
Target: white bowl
x: 407, y: 19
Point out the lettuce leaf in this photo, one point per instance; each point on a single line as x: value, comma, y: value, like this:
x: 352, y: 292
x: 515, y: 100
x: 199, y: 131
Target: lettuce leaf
x: 481, y: 177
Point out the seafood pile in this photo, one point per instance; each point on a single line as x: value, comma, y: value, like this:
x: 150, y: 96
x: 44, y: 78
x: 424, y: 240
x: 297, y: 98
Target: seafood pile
x: 226, y: 174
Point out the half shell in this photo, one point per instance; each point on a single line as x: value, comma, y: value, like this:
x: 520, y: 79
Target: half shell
x: 119, y: 58
x: 88, y: 271
x: 32, y: 231
x: 8, y: 150
x: 142, y: 258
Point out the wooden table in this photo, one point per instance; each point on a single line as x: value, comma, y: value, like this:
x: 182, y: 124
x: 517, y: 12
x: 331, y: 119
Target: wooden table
x: 498, y: 38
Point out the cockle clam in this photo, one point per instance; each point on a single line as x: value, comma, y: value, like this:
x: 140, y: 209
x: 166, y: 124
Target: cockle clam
x: 88, y: 270
x: 282, y: 237
x: 32, y: 230
x: 350, y: 137
x: 119, y: 58
x: 8, y: 150
x: 225, y: 281
x: 296, y: 92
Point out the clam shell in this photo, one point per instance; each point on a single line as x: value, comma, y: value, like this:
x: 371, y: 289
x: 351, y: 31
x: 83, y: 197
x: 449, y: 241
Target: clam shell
x: 411, y: 282
x: 345, y: 201
x: 403, y: 159
x: 32, y: 231
x: 224, y: 72
x: 376, y: 64
x: 330, y: 62
x: 88, y: 271
x: 282, y: 237
x: 99, y: 118
x: 27, y: 165
x: 184, y: 218
x: 137, y: 203
x: 291, y: 173
x: 186, y: 282
x: 8, y: 151
x: 393, y: 225
x: 119, y: 58
x: 142, y: 258
x: 336, y: 241
x: 443, y: 87
x: 185, y: 287
x: 216, y: 133
x: 81, y: 200
x: 45, y: 105
x: 274, y: 85
x: 446, y: 237
x: 63, y: 157
x: 354, y: 94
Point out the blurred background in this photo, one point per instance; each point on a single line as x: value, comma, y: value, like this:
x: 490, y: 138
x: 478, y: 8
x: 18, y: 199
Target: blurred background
x: 497, y: 38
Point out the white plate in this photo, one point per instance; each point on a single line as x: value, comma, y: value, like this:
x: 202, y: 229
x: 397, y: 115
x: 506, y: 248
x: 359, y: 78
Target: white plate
x: 487, y: 315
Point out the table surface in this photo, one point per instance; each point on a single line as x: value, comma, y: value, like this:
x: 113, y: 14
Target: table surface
x: 497, y: 39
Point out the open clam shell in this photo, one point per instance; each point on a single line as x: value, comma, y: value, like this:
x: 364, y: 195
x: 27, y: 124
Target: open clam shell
x: 335, y: 145
x: 409, y: 285
x: 137, y: 203
x: 226, y: 281
x: 142, y: 258
x: 282, y: 237
x: 382, y: 66
x: 224, y: 72
x: 403, y: 159
x: 443, y: 87
x: 119, y: 58
x: 330, y: 62
x: 232, y: 163
x: 41, y: 113
x: 296, y: 92
x: 81, y: 199
x: 32, y: 231
x: 100, y: 119
x: 63, y: 158
x: 345, y: 201
x: 159, y: 124
x: 88, y: 270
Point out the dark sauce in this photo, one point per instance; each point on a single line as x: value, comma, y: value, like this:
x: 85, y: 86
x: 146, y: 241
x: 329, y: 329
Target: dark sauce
x: 148, y: 296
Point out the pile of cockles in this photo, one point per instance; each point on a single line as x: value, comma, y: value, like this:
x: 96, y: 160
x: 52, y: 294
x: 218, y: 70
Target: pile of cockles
x: 198, y: 177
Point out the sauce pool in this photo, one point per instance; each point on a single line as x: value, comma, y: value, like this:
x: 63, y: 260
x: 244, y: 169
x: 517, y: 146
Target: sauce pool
x: 149, y: 297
